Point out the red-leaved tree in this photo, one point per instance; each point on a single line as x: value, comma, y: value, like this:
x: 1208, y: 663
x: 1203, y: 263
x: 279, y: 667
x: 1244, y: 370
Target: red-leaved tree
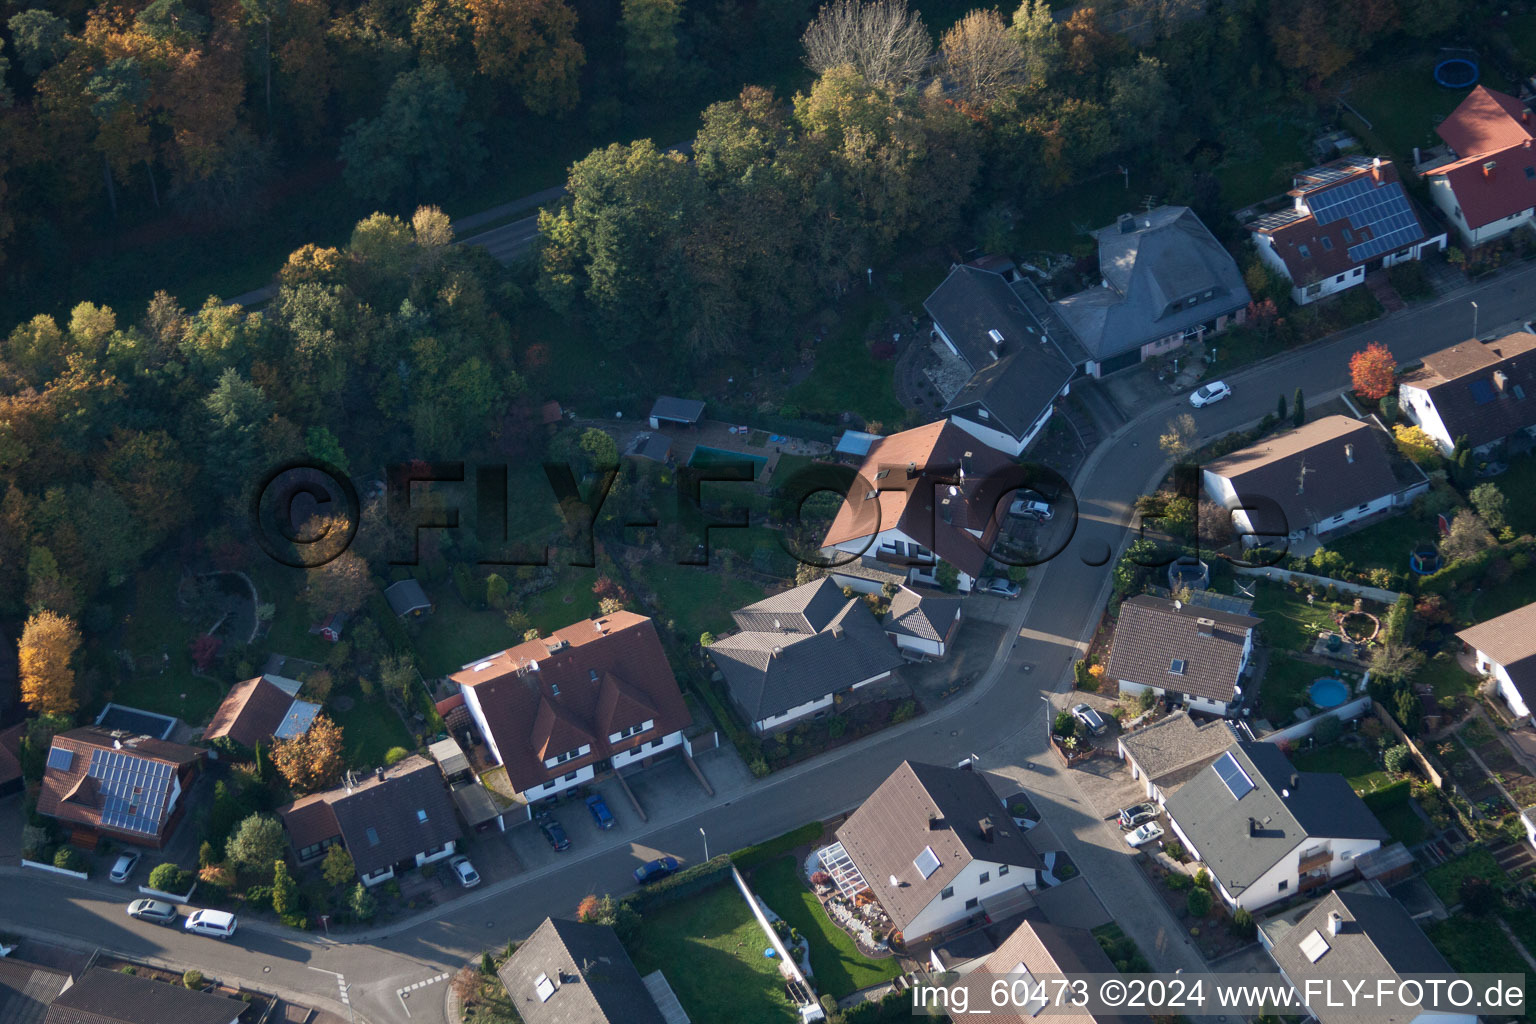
x: 1372, y: 370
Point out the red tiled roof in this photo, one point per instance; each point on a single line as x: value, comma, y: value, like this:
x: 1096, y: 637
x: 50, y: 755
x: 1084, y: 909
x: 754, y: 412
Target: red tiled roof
x: 575, y: 688
x: 251, y: 712
x: 1490, y: 126
x: 309, y: 820
x: 72, y: 795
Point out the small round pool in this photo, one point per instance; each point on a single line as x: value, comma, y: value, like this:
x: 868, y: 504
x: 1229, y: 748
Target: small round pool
x: 1456, y: 73
x: 1329, y: 692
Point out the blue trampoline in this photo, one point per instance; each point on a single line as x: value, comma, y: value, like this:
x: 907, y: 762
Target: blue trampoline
x: 1457, y: 72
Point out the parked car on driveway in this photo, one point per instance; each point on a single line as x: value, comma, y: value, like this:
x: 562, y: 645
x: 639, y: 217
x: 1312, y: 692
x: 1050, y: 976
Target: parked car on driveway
x: 1145, y: 834
x: 656, y: 870
x: 1132, y: 816
x: 124, y: 867
x: 600, y: 812
x: 158, y: 911
x: 464, y: 871
x: 1204, y: 395
x: 553, y: 832
x: 1090, y: 718
x: 998, y: 586
x: 1029, y: 508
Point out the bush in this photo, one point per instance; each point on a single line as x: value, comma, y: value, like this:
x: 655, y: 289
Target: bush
x: 1243, y: 925
x: 749, y: 857
x: 193, y: 979
x: 259, y: 897
x: 170, y: 878
x: 1478, y: 896
x: 34, y: 842
x: 1203, y: 879
x: 362, y: 902
x: 1198, y: 903
x: 1397, y: 758
x: 69, y: 859
x: 905, y: 710
x: 1327, y: 730
x: 1178, y: 881
x: 394, y: 755
x: 1065, y: 725
x: 207, y: 856
x: 1174, y: 849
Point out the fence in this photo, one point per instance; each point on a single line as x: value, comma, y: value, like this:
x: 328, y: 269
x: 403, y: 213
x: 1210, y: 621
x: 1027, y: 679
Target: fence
x: 82, y: 875
x: 1357, y: 589
x: 1344, y: 713
x: 1428, y: 769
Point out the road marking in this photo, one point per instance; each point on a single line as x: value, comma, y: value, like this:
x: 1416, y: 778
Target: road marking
x: 402, y: 993
x: 341, y: 983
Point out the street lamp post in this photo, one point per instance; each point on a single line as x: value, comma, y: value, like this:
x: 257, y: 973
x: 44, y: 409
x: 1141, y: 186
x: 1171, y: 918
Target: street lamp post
x: 706, y: 842
x: 1474, y: 321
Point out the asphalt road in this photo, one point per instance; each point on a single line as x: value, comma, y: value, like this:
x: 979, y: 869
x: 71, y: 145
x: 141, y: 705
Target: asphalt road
x: 999, y: 719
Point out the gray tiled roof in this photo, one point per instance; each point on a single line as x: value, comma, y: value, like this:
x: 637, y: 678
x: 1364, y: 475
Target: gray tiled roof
x: 687, y: 410
x: 406, y: 596
x: 1150, y: 634
x: 101, y: 996
x: 1168, y: 255
x: 1377, y: 938
x: 1043, y: 950
x: 26, y: 990
x: 1510, y: 640
x: 1321, y: 805
x: 1177, y: 745
x: 929, y: 616
x: 388, y: 810
x: 849, y: 649
x: 1464, y: 381
x: 925, y: 805
x: 808, y: 608
x: 593, y: 979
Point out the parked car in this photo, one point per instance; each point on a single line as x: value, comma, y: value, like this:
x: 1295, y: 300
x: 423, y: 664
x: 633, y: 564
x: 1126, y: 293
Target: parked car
x: 998, y: 586
x: 1090, y: 719
x: 1130, y: 817
x: 656, y: 870
x: 600, y: 812
x: 464, y: 871
x: 1204, y: 395
x: 124, y: 867
x: 158, y: 911
x: 216, y: 924
x: 553, y: 832
x: 1029, y: 508
x: 1145, y: 834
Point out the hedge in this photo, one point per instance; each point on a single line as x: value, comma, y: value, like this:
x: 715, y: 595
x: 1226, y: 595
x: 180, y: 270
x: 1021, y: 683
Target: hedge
x: 1388, y: 797
x: 681, y: 886
x: 895, y: 1006
x: 749, y: 857
x: 390, y: 629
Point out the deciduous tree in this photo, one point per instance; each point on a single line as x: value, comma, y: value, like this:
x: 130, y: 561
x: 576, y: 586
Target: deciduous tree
x: 881, y: 39
x: 1179, y: 440
x: 531, y: 44
x: 1489, y: 502
x: 337, y: 868
x: 1372, y: 371
x: 982, y: 56
x: 419, y: 142
x: 257, y: 842
x: 47, y: 651
x: 312, y: 761
x: 650, y: 40
x: 1469, y: 535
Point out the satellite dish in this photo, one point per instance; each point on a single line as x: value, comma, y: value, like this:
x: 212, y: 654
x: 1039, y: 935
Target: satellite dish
x: 1178, y: 605
x: 895, y: 882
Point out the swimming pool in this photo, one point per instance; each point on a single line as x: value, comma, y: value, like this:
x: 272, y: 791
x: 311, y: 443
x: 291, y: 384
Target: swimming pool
x: 1329, y: 692
x: 704, y: 455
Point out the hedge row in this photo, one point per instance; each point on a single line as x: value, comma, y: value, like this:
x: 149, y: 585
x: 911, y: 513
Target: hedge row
x: 681, y: 886
x: 1388, y: 797
x: 1464, y: 569
x: 749, y: 857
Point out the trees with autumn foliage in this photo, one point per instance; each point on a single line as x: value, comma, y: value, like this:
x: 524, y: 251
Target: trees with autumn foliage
x: 49, y: 642
x: 1373, y: 372
x: 312, y: 761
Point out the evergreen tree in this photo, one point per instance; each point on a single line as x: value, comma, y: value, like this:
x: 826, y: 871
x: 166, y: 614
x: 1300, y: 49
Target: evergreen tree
x: 1298, y: 409
x: 1280, y: 409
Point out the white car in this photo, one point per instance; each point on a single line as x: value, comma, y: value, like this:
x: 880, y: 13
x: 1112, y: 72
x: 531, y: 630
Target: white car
x: 1145, y: 834
x: 216, y: 924
x: 124, y: 867
x: 465, y: 871
x: 1025, y: 508
x: 1090, y: 719
x: 1215, y: 391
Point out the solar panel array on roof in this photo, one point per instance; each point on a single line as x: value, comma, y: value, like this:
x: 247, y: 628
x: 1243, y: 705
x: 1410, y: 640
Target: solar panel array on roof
x: 1317, y: 177
x: 133, y: 790
x: 61, y: 759
x: 1237, y: 781
x: 1384, y: 209
x: 1482, y: 391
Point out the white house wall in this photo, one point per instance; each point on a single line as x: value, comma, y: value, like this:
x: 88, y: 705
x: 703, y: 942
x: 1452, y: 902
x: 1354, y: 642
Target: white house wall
x: 942, y: 913
x: 649, y: 748
x: 1444, y: 196
x: 794, y: 714
x: 548, y: 789
x: 472, y: 702
x: 907, y: 642
x: 446, y: 851
x: 1506, y: 685
x: 991, y: 436
x: 1201, y: 704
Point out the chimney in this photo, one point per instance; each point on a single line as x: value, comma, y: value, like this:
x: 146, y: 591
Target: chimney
x: 1500, y: 379
x: 1253, y: 827
x: 996, y: 338
x: 1205, y: 627
x: 1488, y: 167
x: 985, y: 826
x: 837, y: 631
x: 936, y: 823
x: 778, y: 651
x: 911, y: 470
x: 1335, y: 922
x: 1525, y: 116
x: 1376, y: 169
x: 1127, y: 224
x: 1295, y: 781
x: 1349, y: 453
x: 378, y: 773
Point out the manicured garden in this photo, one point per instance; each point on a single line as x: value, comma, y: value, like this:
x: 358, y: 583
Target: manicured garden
x: 1284, y: 688
x: 838, y: 965
x: 1290, y: 623
x: 1356, y: 764
x: 1384, y: 545
x: 711, y: 951
x: 178, y: 693
x: 1445, y: 879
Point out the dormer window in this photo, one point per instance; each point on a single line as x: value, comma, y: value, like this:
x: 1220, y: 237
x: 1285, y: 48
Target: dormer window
x: 1176, y: 666
x: 1305, y: 253
x: 1327, y: 243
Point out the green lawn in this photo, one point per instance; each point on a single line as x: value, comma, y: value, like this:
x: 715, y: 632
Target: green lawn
x: 280, y: 586
x: 1472, y: 946
x: 847, y: 378
x: 1357, y: 765
x: 696, y: 599
x: 1521, y: 29
x: 180, y: 693
x: 1290, y: 624
x: 1446, y: 878
x: 1516, y: 592
x: 1519, y: 486
x: 1447, y: 677
x: 1384, y: 545
x: 1265, y: 168
x: 711, y: 951
x: 1404, y: 823
x: 369, y: 729
x: 839, y: 967
x: 1404, y: 104
x: 1284, y: 688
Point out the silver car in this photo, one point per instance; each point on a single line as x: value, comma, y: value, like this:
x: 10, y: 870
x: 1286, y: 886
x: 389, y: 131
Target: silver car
x: 1090, y: 719
x: 158, y: 911
x: 1145, y: 834
x: 998, y: 586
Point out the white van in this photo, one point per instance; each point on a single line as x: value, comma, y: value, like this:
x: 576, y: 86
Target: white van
x: 217, y: 924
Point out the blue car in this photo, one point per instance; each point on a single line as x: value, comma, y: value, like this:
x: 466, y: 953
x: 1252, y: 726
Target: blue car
x: 657, y: 869
x: 600, y: 812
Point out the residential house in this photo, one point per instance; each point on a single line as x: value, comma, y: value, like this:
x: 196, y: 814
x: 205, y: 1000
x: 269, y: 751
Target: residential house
x: 1315, y: 478
x: 570, y: 973
x: 596, y: 694
x: 100, y: 996
x: 10, y: 759
x: 114, y: 785
x: 1483, y: 391
x: 923, y: 496
x: 395, y: 819
x: 937, y: 848
x: 331, y: 627
x: 1350, y: 935
x: 26, y: 989
x: 795, y: 654
x: 1007, y: 371
x: 1036, y: 954
x: 1165, y: 281
x: 1188, y: 654
x: 1487, y: 187
x: 407, y: 599
x: 1347, y: 217
x: 1167, y: 754
x: 1506, y: 650
x: 261, y: 709
x: 1267, y: 832
x: 680, y: 412
x: 923, y: 623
